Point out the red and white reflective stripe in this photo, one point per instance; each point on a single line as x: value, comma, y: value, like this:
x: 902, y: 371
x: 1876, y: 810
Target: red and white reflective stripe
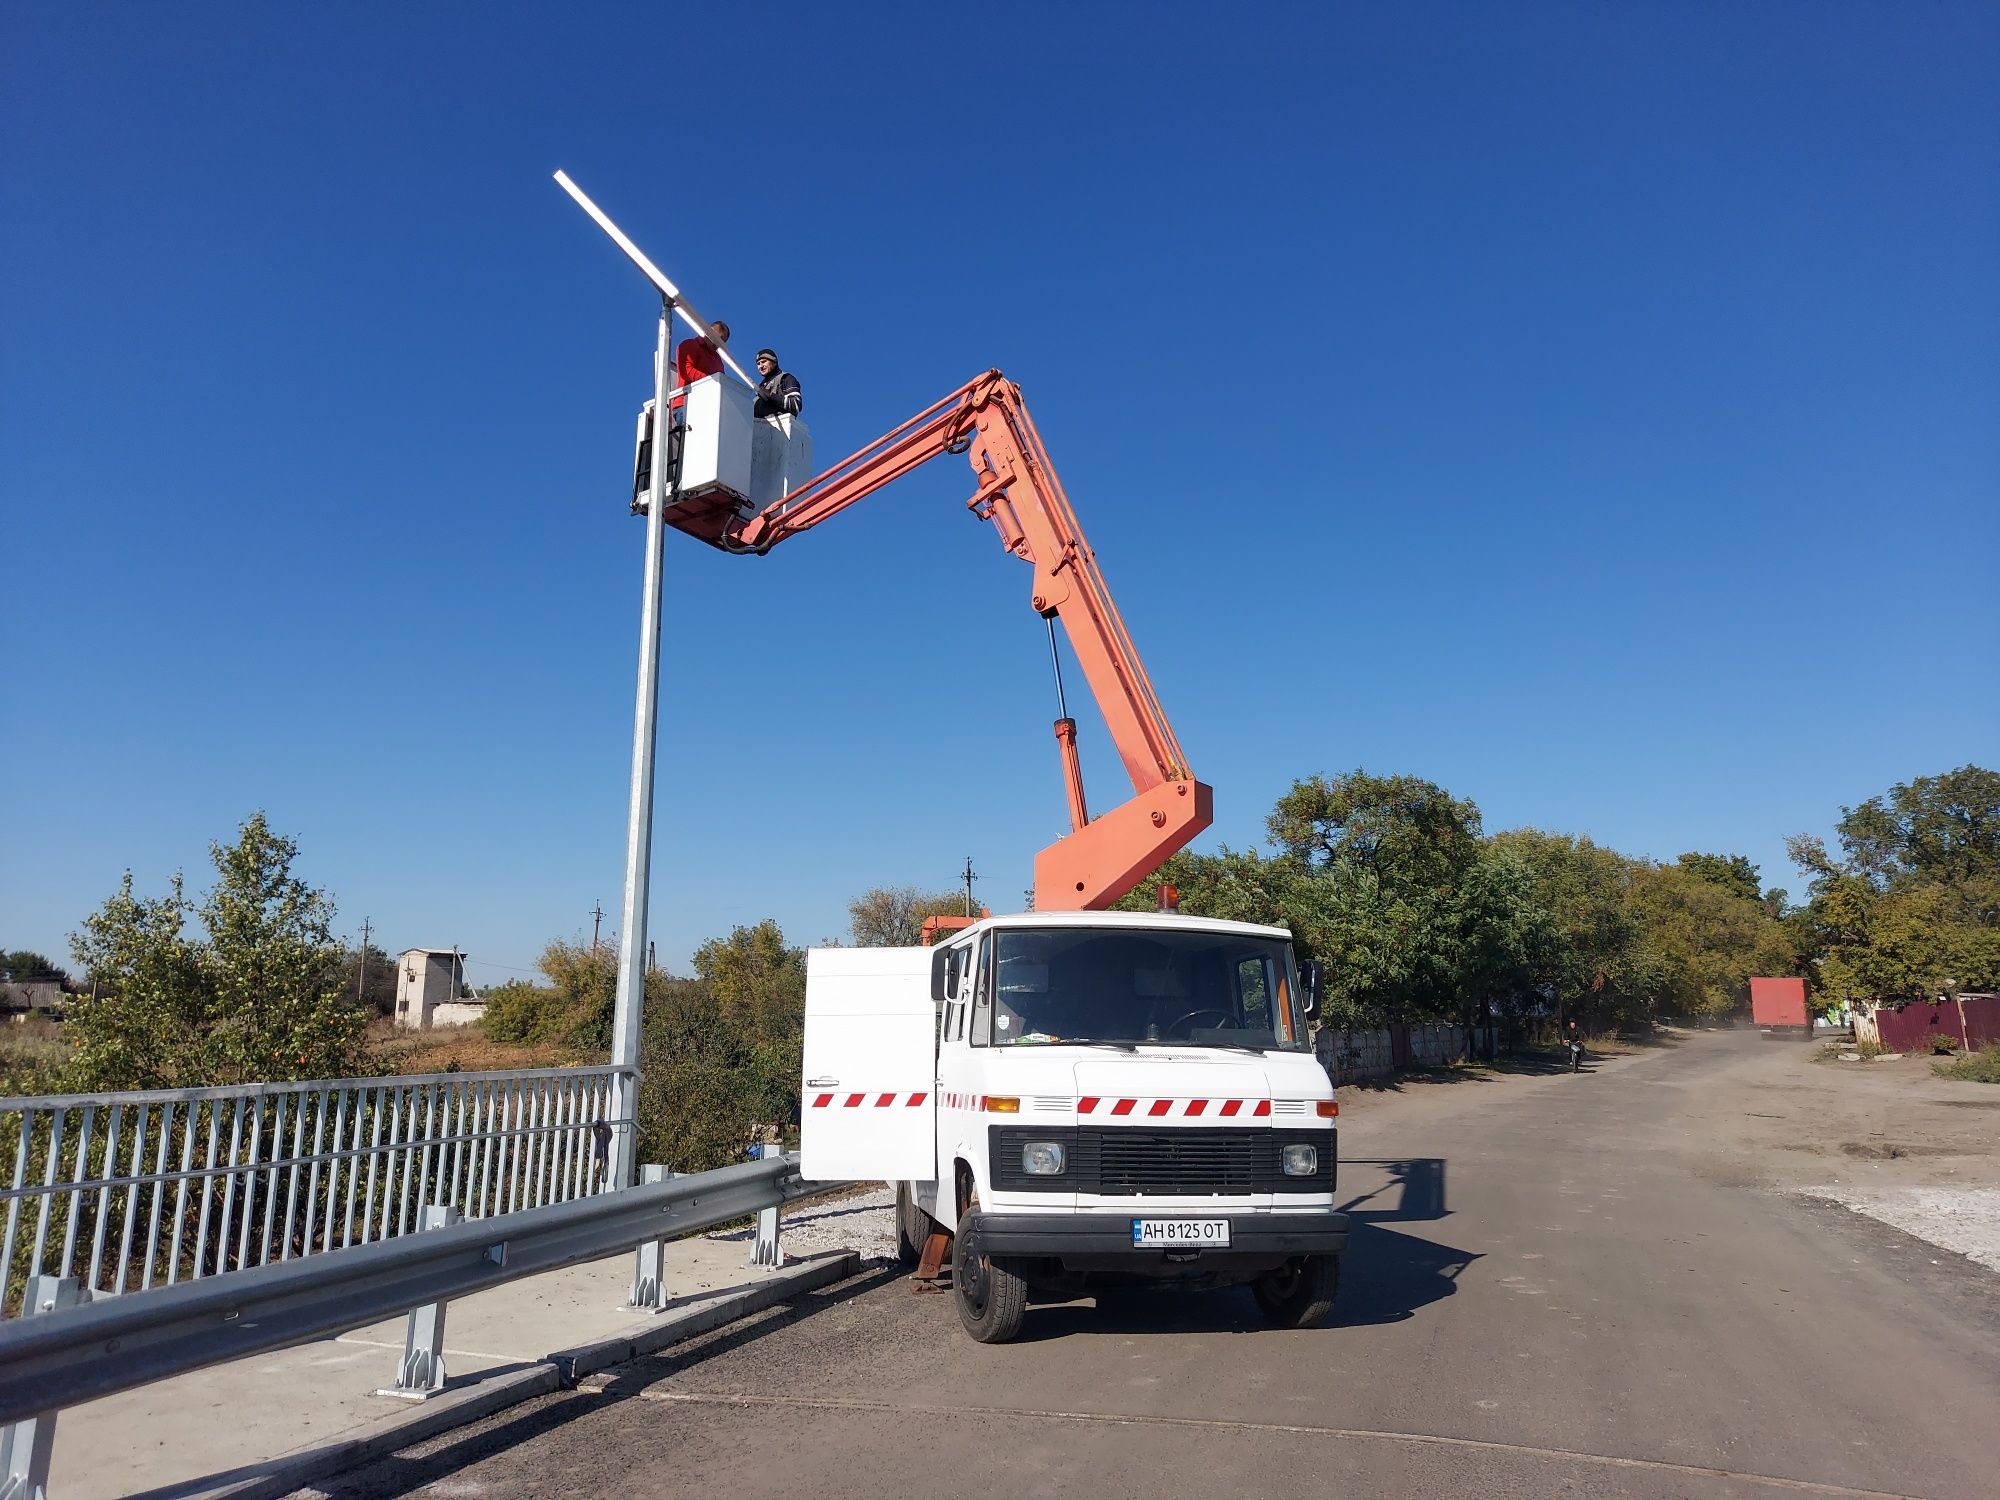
x: 1089, y: 1104
x: 1184, y: 1109
x: 871, y: 1101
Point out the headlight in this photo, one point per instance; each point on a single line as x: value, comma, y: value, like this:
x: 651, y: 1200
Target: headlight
x: 1044, y: 1158
x: 1301, y: 1161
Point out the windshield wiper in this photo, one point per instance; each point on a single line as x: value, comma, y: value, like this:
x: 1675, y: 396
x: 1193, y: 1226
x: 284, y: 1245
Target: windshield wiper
x: 1093, y: 1041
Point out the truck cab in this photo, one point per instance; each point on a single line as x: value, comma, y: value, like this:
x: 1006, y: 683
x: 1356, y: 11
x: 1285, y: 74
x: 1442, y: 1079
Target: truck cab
x: 1083, y: 1102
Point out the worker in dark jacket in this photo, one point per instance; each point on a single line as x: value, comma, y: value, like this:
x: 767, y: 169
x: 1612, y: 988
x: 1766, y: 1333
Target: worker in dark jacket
x: 777, y: 392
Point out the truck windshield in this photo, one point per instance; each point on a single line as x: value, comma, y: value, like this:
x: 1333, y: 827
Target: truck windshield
x: 1129, y: 987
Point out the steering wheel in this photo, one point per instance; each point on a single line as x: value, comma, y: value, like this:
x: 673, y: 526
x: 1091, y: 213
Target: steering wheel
x: 1225, y: 1020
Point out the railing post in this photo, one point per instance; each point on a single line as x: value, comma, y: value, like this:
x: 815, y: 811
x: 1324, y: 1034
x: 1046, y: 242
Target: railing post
x: 25, y: 1446
x: 764, y: 1250
x: 649, y: 1274
x: 421, y: 1374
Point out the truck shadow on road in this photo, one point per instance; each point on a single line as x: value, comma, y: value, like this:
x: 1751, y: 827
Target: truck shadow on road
x: 1387, y: 1275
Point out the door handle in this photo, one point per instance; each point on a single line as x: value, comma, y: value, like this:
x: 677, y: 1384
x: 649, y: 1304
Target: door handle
x: 822, y: 1083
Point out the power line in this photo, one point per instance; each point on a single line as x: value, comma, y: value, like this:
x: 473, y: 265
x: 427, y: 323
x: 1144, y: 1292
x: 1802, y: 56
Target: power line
x: 487, y: 963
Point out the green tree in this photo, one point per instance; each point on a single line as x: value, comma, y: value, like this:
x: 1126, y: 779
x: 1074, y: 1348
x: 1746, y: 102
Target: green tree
x: 1591, y: 958
x: 1390, y: 904
x: 758, y: 985
x: 1728, y: 872
x: 1911, y: 905
x: 1232, y: 886
x: 1408, y: 831
x: 721, y: 1051
x: 1388, y: 884
x: 1709, y: 937
x: 893, y: 916
x: 1499, y: 932
x: 1933, y: 828
x: 248, y: 996
x: 575, y: 1008
x: 699, y: 1092
x: 368, y: 975
x: 23, y: 967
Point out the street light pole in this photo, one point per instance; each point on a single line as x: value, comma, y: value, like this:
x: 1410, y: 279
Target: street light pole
x: 631, y: 996
x: 633, y: 947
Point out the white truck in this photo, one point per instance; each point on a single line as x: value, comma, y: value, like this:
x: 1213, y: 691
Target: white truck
x: 1083, y: 1102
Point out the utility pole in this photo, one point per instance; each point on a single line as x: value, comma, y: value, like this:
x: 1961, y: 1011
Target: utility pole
x: 652, y: 956
x: 969, y: 878
x: 596, y: 921
x: 361, y: 975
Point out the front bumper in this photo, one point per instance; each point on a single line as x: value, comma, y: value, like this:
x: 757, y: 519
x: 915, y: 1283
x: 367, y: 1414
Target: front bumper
x: 1273, y: 1237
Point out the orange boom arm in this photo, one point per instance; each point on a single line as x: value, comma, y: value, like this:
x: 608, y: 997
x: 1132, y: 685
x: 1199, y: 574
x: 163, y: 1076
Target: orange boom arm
x: 1101, y: 858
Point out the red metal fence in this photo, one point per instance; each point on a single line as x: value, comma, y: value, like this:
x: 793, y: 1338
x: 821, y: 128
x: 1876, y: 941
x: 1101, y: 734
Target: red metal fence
x: 1970, y: 1021
x: 1981, y: 1014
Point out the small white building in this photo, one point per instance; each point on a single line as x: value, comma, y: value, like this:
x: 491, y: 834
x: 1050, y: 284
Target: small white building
x: 430, y: 990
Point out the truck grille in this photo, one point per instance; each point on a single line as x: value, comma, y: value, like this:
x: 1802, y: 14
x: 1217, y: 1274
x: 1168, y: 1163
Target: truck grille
x: 1129, y: 1163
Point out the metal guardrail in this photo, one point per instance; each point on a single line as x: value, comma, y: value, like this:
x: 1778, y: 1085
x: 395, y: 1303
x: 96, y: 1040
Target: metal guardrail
x: 101, y: 1348
x: 134, y: 1191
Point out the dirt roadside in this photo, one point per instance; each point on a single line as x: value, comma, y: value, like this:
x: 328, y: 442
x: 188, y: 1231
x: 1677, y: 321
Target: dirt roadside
x: 1889, y: 1139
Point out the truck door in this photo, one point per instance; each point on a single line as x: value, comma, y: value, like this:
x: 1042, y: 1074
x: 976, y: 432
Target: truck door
x: 868, y: 1109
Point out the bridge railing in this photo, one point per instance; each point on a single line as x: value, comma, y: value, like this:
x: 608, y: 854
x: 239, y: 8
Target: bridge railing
x: 129, y: 1191
x: 74, y: 1347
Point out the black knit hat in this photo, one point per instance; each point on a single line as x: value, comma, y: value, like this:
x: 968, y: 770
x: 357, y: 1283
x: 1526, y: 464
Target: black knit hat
x: 772, y: 352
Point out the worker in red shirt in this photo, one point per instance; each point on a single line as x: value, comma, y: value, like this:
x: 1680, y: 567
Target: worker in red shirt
x: 696, y: 357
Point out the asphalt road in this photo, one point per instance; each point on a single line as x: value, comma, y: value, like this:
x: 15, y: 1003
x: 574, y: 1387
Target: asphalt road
x: 1549, y: 1293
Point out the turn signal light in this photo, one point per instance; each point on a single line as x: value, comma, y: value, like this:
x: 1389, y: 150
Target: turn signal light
x: 1327, y: 1109
x: 1000, y: 1104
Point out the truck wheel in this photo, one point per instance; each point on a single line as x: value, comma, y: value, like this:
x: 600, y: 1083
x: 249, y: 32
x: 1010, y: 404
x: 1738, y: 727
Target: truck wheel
x: 913, y: 1227
x: 1300, y: 1293
x: 991, y: 1296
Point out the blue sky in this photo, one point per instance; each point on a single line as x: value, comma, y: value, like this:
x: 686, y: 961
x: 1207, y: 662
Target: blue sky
x: 1589, y: 407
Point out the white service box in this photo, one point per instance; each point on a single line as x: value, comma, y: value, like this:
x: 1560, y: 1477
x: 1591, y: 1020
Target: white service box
x: 781, y: 459
x: 716, y: 448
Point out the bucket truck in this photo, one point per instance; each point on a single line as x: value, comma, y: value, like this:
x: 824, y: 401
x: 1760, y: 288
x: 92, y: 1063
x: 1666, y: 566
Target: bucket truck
x: 1071, y: 1099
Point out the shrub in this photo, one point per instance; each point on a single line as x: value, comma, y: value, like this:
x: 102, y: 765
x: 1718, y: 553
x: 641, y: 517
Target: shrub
x: 1942, y: 1045
x: 1982, y: 1066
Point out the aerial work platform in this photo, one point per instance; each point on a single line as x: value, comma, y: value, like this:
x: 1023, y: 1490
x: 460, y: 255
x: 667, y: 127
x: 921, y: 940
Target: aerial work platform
x: 733, y: 464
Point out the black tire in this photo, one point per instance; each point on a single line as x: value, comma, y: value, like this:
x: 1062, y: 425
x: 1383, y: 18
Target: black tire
x: 913, y: 1227
x: 1300, y: 1293
x: 991, y: 1295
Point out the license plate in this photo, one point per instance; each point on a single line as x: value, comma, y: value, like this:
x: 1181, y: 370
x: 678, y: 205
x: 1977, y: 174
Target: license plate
x: 1196, y: 1234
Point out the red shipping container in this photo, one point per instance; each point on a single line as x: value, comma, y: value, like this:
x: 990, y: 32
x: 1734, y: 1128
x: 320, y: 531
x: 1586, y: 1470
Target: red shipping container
x: 1778, y: 1002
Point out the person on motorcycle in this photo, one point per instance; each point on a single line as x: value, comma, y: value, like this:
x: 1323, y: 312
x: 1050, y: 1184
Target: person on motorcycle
x: 1573, y: 1039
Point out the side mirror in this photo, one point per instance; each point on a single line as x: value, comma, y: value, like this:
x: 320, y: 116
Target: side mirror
x: 941, y: 975
x: 1309, y: 977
